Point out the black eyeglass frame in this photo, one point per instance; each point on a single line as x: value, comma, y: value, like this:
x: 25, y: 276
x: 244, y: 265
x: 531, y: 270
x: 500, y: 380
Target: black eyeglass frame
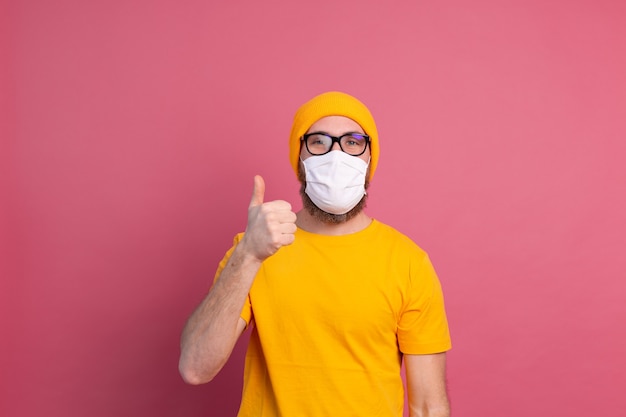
x: 335, y: 139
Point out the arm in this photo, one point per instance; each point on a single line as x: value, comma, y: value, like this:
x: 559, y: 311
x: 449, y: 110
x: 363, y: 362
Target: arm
x: 426, y: 385
x: 213, y: 329
x: 215, y: 326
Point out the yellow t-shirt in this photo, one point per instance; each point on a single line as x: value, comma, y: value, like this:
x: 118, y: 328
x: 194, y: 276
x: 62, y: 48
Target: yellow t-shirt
x: 332, y: 316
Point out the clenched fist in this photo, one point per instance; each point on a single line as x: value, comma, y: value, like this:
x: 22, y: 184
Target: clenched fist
x: 270, y: 226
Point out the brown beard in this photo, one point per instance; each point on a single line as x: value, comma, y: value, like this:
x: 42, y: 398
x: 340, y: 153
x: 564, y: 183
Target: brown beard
x: 323, y: 216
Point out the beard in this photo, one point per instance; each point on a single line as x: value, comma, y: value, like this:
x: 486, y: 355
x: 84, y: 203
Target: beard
x: 323, y: 216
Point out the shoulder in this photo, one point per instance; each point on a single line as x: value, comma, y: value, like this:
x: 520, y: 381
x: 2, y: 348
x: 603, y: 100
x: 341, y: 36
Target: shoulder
x: 395, y: 238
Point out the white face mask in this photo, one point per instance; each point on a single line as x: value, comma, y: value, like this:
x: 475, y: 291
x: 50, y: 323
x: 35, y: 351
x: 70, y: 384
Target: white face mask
x: 335, y: 181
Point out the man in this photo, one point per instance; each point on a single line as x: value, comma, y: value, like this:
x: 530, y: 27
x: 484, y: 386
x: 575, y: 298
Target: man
x: 335, y: 299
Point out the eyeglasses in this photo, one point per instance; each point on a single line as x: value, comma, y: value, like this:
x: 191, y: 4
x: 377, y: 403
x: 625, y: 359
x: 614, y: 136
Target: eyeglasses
x: 319, y: 143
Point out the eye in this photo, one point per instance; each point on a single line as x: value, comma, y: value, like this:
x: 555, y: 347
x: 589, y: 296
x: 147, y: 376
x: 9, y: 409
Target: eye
x: 354, y: 140
x: 318, y: 143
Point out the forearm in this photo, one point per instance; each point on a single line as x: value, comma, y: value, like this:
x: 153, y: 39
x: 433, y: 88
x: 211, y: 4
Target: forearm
x: 212, y: 330
x: 426, y: 384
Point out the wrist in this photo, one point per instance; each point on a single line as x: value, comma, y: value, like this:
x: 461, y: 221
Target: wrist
x: 247, y: 254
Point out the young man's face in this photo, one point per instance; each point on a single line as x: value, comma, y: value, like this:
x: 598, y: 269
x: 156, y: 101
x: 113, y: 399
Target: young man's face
x: 334, y: 126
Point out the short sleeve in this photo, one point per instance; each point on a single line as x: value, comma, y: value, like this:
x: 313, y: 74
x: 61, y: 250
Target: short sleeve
x: 246, y: 311
x: 423, y: 325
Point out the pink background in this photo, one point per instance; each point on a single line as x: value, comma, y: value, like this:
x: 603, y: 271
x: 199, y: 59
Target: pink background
x: 131, y: 131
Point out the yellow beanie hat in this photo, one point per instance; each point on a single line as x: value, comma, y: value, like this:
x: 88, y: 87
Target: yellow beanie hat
x: 332, y: 104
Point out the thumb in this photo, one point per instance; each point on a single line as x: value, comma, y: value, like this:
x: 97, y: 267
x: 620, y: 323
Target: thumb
x: 258, y: 192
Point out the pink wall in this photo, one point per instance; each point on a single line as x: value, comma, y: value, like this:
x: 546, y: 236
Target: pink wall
x: 131, y: 131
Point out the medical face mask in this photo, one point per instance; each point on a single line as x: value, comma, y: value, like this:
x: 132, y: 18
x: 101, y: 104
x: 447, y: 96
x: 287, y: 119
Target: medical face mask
x: 335, y: 181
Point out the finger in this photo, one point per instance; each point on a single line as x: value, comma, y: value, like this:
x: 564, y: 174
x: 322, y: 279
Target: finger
x: 273, y: 214
x: 278, y: 205
x: 287, y: 239
x: 287, y: 228
x: 288, y: 217
x: 258, y: 193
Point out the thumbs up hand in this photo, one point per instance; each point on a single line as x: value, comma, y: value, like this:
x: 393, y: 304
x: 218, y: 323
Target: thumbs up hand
x: 270, y: 226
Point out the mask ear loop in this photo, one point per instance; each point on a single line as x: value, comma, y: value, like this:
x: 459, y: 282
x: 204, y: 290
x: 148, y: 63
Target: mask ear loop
x: 368, y: 165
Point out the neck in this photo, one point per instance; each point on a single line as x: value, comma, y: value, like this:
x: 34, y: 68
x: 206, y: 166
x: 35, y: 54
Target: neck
x: 312, y: 225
